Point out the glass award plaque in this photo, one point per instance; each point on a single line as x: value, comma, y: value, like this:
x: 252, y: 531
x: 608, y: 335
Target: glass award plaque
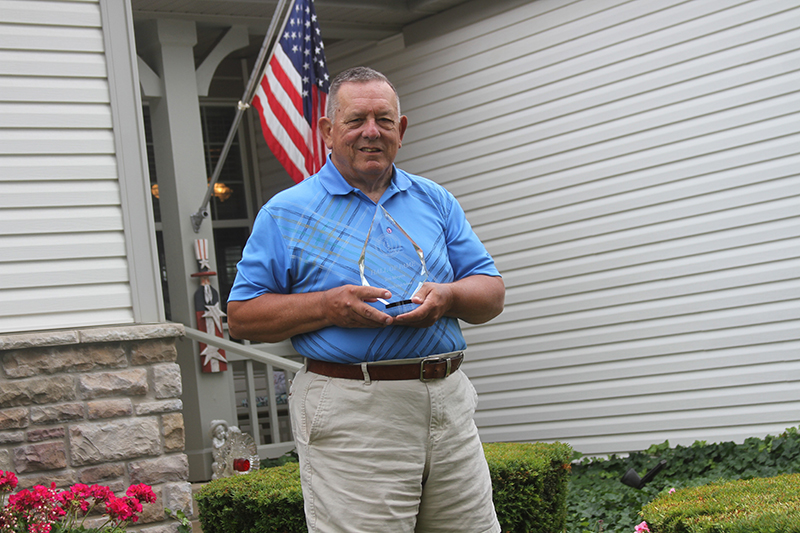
x: 391, y: 260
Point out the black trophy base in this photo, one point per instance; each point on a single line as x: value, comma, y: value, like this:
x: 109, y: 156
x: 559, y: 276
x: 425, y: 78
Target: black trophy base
x: 400, y: 307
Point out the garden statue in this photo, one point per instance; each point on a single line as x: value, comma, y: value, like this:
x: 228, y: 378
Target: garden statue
x: 232, y: 451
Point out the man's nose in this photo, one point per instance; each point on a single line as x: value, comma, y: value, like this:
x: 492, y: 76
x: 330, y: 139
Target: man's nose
x: 371, y: 130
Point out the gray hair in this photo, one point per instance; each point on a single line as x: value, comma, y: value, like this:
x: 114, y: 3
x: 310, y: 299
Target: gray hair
x: 356, y: 75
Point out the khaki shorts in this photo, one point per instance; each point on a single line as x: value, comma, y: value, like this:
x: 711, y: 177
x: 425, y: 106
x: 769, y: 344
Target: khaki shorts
x: 391, y: 456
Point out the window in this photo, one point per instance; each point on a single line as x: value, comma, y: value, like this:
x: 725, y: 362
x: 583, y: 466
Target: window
x: 229, y: 201
x: 230, y: 216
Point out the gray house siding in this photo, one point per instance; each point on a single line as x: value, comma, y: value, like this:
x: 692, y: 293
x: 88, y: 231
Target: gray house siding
x: 633, y: 168
x: 76, y: 240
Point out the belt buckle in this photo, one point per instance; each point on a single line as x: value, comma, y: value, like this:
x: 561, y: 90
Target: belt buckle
x: 432, y: 360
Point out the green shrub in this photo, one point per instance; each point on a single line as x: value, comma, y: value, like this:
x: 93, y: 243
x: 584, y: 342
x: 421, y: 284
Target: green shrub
x: 266, y: 500
x: 761, y: 505
x: 597, y: 499
x: 529, y: 483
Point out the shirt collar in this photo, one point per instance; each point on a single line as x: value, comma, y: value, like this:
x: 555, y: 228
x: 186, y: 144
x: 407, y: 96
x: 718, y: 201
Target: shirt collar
x: 335, y: 184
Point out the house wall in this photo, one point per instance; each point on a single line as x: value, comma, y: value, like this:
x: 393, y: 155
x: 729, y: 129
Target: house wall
x: 632, y: 166
x: 77, y: 245
x: 96, y: 406
x: 77, y: 249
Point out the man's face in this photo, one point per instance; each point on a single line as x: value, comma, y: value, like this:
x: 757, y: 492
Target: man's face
x: 366, y: 132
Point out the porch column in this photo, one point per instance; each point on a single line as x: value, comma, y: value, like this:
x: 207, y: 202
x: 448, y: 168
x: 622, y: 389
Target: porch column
x: 167, y: 45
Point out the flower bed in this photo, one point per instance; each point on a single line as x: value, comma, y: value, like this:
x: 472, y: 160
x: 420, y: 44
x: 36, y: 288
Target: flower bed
x: 48, y: 510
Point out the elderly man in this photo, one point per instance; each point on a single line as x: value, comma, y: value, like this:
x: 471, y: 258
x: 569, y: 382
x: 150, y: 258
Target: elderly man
x: 381, y: 415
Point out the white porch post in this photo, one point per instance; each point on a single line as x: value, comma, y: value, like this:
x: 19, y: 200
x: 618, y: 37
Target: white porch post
x: 167, y: 46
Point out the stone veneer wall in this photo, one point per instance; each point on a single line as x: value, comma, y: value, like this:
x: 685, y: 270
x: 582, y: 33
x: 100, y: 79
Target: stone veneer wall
x: 97, y: 405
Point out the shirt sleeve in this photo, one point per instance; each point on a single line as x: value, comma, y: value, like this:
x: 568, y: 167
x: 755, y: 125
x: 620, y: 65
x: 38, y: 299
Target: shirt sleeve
x: 468, y: 256
x: 265, y: 264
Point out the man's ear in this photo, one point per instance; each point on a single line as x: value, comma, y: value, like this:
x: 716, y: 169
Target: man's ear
x: 402, y: 128
x: 325, y: 127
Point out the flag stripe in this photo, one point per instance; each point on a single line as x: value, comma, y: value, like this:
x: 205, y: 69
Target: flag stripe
x: 318, y: 99
x: 294, y: 123
x: 281, y: 103
x: 284, y: 150
x: 283, y: 72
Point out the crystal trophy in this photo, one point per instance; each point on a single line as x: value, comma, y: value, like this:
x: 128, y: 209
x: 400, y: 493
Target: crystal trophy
x: 390, y: 259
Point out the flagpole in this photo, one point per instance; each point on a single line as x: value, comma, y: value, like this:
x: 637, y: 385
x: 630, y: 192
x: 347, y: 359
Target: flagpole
x: 202, y: 211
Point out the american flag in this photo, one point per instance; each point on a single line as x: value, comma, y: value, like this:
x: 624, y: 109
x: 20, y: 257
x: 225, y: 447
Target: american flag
x: 291, y: 96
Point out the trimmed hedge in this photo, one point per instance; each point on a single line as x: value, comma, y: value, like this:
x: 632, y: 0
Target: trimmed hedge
x: 267, y: 500
x: 529, y: 485
x: 760, y: 505
x: 529, y: 481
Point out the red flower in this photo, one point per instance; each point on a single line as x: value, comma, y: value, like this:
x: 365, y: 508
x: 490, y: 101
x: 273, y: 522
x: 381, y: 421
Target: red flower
x: 8, y: 481
x: 40, y: 528
x: 142, y: 493
x: 101, y: 493
x: 76, y: 497
x: 31, y: 499
x: 38, y: 509
x: 118, y: 509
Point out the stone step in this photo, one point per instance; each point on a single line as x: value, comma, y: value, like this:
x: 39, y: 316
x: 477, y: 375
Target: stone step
x: 195, y: 520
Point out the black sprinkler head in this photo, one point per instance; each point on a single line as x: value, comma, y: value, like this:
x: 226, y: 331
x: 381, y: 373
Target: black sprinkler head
x: 632, y: 479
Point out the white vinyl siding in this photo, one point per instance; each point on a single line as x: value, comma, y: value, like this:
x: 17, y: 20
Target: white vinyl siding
x: 632, y: 166
x: 63, y: 254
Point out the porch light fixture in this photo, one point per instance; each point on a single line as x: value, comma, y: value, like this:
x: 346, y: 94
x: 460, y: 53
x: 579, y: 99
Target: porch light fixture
x: 221, y: 191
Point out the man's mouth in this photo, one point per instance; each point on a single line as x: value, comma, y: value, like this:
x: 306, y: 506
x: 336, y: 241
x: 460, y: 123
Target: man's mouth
x: 370, y: 150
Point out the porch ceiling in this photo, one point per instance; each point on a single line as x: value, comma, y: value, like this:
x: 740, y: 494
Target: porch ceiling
x: 339, y: 19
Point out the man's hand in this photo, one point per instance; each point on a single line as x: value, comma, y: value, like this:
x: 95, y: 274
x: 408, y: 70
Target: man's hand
x: 344, y: 306
x: 433, y: 300
x: 474, y: 299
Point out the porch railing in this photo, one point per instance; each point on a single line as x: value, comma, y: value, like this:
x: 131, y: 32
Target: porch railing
x: 247, y: 363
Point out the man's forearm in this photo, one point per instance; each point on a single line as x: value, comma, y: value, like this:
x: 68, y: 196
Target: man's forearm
x: 276, y: 317
x: 477, y: 299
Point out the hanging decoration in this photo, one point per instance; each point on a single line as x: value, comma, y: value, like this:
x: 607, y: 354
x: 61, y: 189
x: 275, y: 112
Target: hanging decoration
x: 207, y: 311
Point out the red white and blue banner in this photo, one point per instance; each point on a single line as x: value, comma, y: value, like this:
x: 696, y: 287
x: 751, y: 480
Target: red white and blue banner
x: 292, y: 94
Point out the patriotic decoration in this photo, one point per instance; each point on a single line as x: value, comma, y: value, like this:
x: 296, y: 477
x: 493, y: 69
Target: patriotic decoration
x: 291, y: 96
x: 207, y: 311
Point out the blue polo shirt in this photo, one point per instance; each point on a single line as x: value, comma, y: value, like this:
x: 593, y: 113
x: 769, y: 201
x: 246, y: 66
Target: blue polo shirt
x: 309, y: 238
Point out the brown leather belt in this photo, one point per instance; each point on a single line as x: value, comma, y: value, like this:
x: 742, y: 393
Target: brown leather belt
x: 422, y: 369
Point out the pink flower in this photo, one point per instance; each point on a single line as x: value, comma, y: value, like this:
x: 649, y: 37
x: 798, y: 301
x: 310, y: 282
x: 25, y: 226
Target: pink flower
x: 101, y: 493
x: 8, y: 481
x: 76, y: 498
x: 671, y: 490
x: 40, y: 528
x: 118, y: 509
x: 133, y: 504
x: 142, y: 493
x: 642, y: 528
x: 38, y: 509
x: 38, y: 497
